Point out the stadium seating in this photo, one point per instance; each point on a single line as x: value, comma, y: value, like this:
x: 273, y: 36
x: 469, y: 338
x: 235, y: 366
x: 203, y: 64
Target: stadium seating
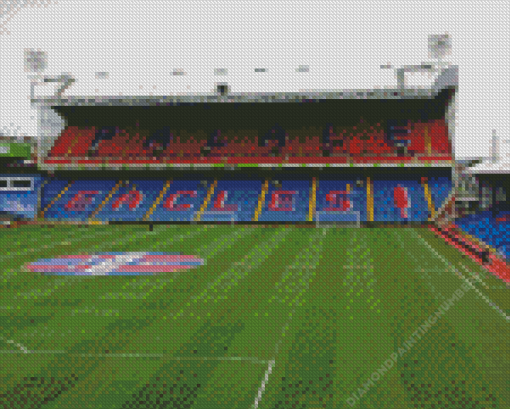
x: 63, y: 143
x: 132, y: 201
x: 357, y: 196
x: 51, y: 190
x: 113, y: 143
x: 113, y: 147
x: 18, y: 204
x: 385, y: 208
x: 239, y: 196
x: 417, y: 138
x: 191, y: 149
x: 439, y: 137
x: 287, y: 201
x: 489, y: 229
x: 181, y: 200
x: 73, y: 142
x: 439, y: 190
x: 79, y: 201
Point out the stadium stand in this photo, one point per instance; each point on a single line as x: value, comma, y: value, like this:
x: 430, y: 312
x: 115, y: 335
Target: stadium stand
x: 287, y: 200
x: 491, y: 230
x: 371, y: 142
x: 327, y: 201
x: 51, y: 190
x: 439, y: 188
x: 239, y: 196
x: 132, y: 201
x: 181, y: 200
x: 399, y: 200
x: 79, y: 201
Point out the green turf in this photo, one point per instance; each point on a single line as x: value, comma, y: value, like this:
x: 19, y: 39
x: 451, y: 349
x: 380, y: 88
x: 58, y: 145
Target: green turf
x: 276, y: 318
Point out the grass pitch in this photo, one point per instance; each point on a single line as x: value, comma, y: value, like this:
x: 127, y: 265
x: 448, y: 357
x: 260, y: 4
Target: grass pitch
x: 276, y: 318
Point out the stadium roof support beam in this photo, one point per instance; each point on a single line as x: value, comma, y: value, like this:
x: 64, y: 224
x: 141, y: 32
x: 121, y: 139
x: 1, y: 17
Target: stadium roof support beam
x: 447, y: 77
x: 494, y: 148
x: 66, y: 79
x: 401, y: 73
x: 50, y: 126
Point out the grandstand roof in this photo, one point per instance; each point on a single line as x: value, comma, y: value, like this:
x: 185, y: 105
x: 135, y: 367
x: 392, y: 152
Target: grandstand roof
x: 447, y: 79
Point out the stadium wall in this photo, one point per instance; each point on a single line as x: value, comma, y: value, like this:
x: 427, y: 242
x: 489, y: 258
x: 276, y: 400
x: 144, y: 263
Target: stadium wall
x: 19, y: 196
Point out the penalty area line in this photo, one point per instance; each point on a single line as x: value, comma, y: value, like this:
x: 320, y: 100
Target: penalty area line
x: 263, y: 385
x: 121, y: 355
x: 271, y: 364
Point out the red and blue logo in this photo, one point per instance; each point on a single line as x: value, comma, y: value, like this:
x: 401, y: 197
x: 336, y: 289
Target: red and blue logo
x: 115, y: 264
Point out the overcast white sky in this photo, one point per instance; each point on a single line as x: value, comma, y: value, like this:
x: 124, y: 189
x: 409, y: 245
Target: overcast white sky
x: 140, y: 43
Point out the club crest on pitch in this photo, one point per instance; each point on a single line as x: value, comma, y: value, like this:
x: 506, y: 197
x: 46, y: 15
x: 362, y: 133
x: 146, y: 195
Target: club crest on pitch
x: 115, y: 264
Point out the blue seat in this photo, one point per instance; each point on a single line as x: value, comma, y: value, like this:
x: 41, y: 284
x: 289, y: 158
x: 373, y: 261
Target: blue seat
x: 357, y: 195
x: 299, y: 202
x: 121, y: 211
x: 242, y: 197
x: 439, y: 189
x: 80, y: 201
x: 163, y: 212
x: 51, y: 190
x: 485, y: 227
x: 384, y: 206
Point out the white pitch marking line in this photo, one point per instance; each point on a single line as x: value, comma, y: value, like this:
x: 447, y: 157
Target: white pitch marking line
x: 23, y: 349
x: 476, y: 276
x: 484, y: 297
x: 263, y: 385
x: 422, y: 257
x: 272, y: 362
x: 177, y: 358
x: 121, y: 355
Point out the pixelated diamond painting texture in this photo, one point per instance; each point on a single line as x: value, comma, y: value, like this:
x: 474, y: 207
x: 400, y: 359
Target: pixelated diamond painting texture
x: 257, y: 204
